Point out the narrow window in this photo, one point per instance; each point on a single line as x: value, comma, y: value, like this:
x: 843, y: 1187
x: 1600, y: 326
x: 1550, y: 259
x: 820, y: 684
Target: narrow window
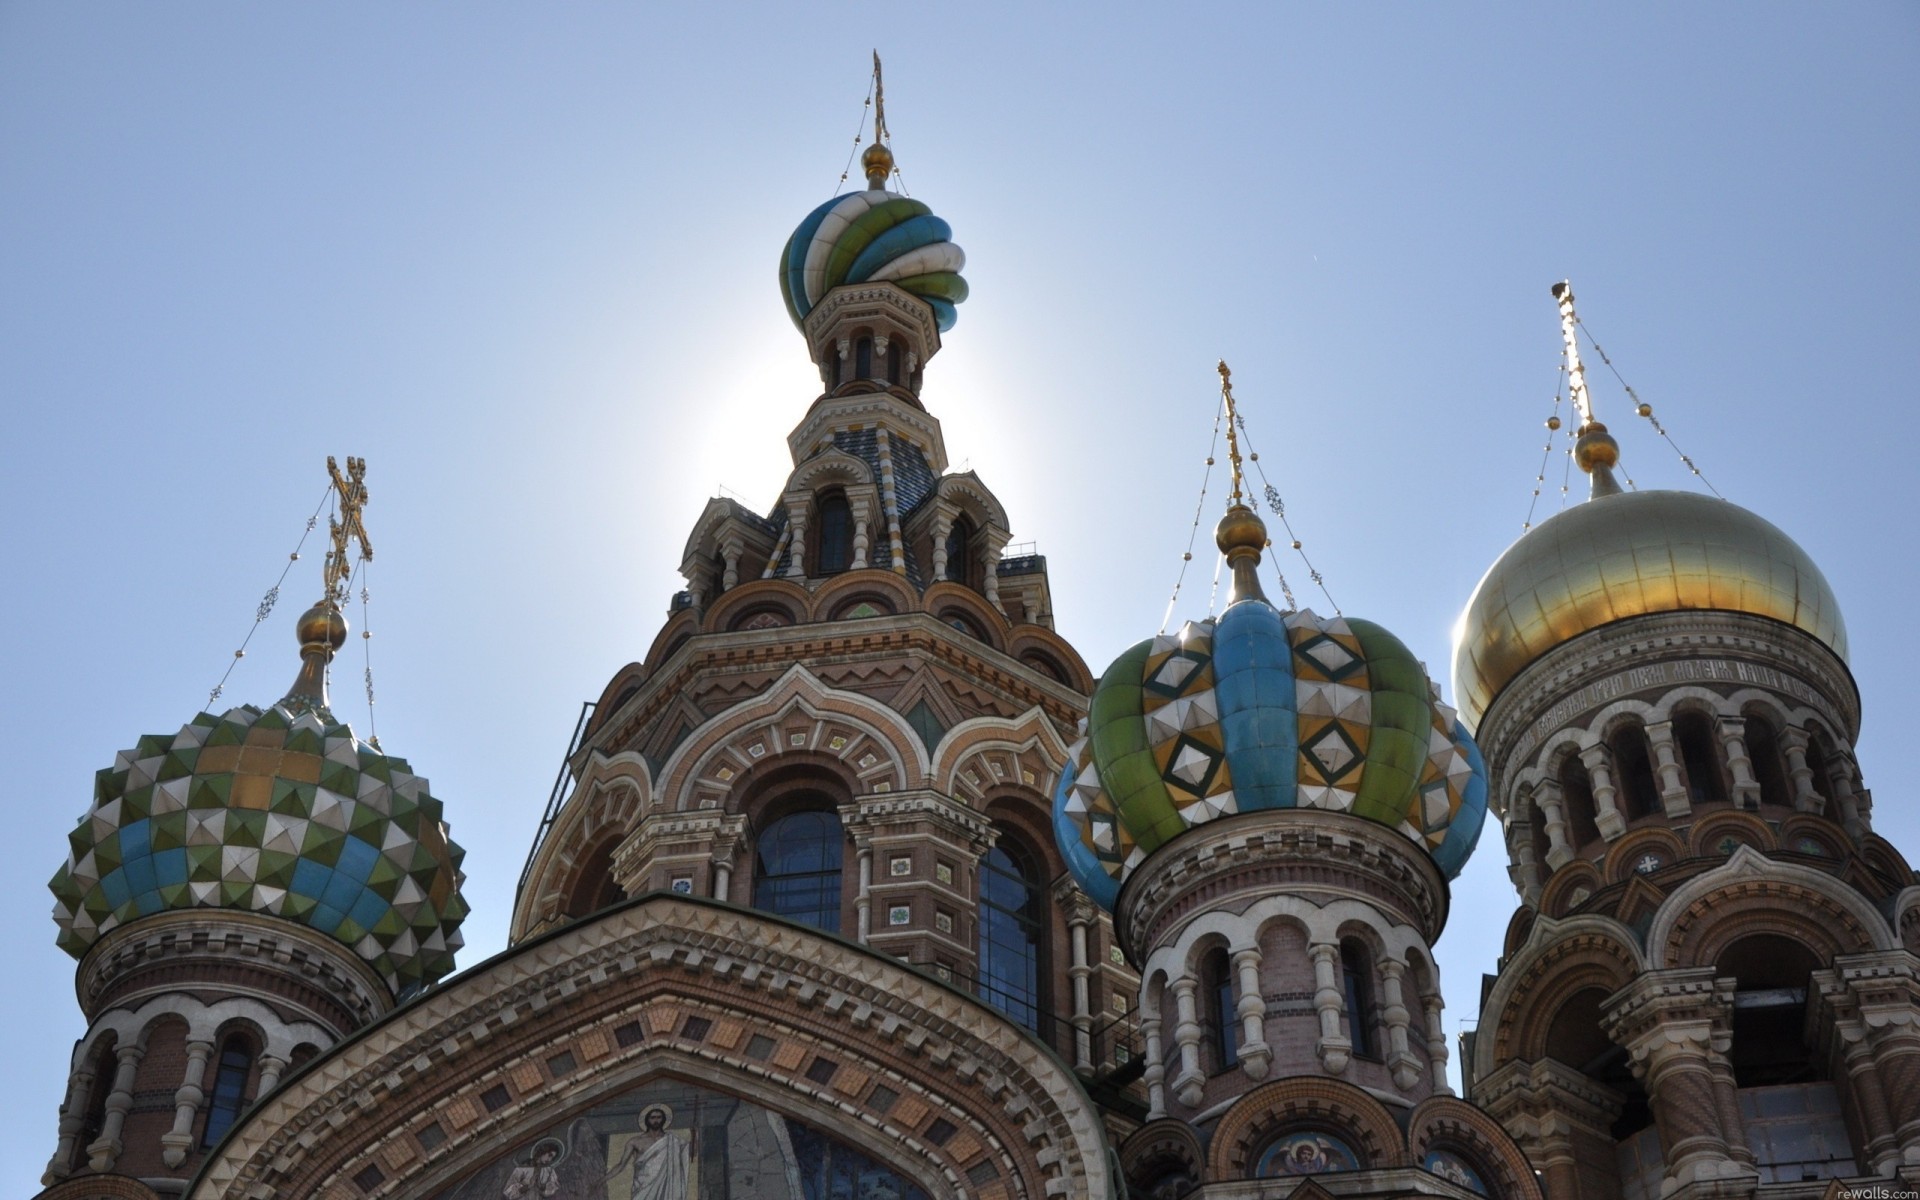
x: 959, y: 538
x: 229, y: 1088
x: 1817, y: 762
x: 1641, y: 795
x: 836, y: 533
x: 863, y: 358
x: 797, y: 869
x: 1012, y: 931
x: 1357, y: 980
x: 1576, y: 793
x: 894, y: 355
x: 1695, y: 734
x: 1769, y: 769
x: 1223, y: 1027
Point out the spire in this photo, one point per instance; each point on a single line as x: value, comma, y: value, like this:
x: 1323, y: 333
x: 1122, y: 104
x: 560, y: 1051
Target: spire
x: 878, y: 160
x: 1241, y: 534
x: 322, y: 630
x: 1594, y: 449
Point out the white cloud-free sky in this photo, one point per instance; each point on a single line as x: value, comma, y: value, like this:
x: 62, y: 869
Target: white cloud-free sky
x: 521, y: 259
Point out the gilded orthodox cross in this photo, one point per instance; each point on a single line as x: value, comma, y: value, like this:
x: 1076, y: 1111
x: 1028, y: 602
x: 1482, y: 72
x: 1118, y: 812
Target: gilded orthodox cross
x: 351, y: 490
x: 1233, y: 434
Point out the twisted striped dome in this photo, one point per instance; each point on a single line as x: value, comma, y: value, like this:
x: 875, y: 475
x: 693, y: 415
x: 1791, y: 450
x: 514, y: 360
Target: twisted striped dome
x: 873, y: 236
x: 1260, y: 710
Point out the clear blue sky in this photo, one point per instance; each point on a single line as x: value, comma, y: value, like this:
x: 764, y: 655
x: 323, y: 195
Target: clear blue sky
x: 521, y: 259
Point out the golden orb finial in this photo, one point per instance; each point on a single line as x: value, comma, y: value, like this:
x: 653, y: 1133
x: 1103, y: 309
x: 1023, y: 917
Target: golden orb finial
x: 322, y: 630
x: 878, y: 164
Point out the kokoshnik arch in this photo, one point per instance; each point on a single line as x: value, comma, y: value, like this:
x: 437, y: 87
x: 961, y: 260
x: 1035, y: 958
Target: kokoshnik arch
x: 863, y: 886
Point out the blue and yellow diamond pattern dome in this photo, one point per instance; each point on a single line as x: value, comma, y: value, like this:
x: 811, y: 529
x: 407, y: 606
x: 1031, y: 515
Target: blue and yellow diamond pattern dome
x: 281, y: 811
x: 873, y: 236
x: 1263, y: 709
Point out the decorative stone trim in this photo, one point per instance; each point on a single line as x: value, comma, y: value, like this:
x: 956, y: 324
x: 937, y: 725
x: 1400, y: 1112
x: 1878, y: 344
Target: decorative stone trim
x: 1445, y: 1121
x: 280, y: 962
x: 1309, y: 853
x: 1268, y: 1109
x: 656, y: 959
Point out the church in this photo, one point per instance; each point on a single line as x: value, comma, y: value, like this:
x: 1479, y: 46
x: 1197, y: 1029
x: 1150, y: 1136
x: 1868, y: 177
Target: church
x: 863, y: 885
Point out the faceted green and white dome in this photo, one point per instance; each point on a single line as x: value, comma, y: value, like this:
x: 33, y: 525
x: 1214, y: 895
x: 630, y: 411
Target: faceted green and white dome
x: 1264, y: 709
x: 283, y: 812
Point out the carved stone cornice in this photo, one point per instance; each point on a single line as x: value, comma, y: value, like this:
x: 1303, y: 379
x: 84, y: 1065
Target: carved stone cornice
x: 1308, y: 852
x: 879, y: 814
x: 493, y: 1024
x: 1653, y: 654
x: 1530, y: 1098
x: 279, y: 962
x: 902, y: 635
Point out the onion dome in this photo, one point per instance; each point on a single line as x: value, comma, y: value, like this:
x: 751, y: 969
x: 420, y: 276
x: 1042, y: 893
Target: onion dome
x: 1632, y: 554
x: 276, y: 811
x: 873, y: 236
x: 1263, y: 709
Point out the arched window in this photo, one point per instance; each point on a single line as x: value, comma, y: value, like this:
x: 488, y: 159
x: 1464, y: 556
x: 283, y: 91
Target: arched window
x: 1012, y: 932
x: 1769, y: 769
x: 1356, y: 987
x: 1638, y: 791
x: 836, y: 533
x: 894, y: 354
x: 863, y: 358
x: 1576, y: 793
x: 229, y: 1087
x: 1695, y: 734
x: 1222, y: 1025
x: 796, y: 871
x: 959, y: 561
x: 104, y: 1061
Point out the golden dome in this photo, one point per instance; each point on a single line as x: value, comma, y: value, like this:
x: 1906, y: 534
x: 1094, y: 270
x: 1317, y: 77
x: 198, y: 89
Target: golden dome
x: 1629, y: 555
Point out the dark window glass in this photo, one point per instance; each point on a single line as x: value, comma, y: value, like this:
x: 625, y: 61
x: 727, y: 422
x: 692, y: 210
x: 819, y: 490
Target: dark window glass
x: 1817, y: 762
x: 1357, y: 986
x: 1576, y: 792
x: 1011, y: 920
x: 1696, y: 739
x: 797, y: 869
x: 1637, y: 787
x: 229, y: 1089
x: 863, y: 358
x: 1769, y: 769
x: 894, y: 355
x: 958, y: 538
x: 836, y: 534
x: 1223, y: 1027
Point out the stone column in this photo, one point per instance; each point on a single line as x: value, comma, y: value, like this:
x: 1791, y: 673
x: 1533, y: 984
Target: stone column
x: 1881, y: 992
x: 722, y: 879
x: 943, y: 514
x: 1840, y: 769
x: 1553, y: 812
x: 730, y: 552
x: 1521, y: 867
x: 992, y: 543
x: 1334, y: 1048
x: 1606, y: 805
x: 863, y: 899
x: 1805, y: 798
x: 187, y: 1099
x: 1433, y: 1008
x: 1400, y: 1058
x: 1251, y: 1008
x: 1189, y: 1086
x: 1666, y: 1019
x: 1733, y: 743
x: 1869, y: 1099
x: 1155, y: 1075
x: 1079, y: 913
x: 862, y: 537
x: 1726, y: 1090
x: 797, y: 537
x: 73, y: 1120
x: 271, y: 1069
x: 1666, y: 765
x: 106, y: 1148
x: 881, y: 344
